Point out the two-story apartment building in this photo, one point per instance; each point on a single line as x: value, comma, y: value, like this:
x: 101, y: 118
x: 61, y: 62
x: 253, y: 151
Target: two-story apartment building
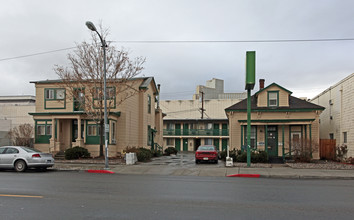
x: 61, y: 123
x: 200, y: 121
x: 279, y: 121
x: 337, y: 121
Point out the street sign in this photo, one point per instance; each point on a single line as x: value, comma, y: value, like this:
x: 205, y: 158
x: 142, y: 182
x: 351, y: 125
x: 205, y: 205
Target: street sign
x: 250, y: 69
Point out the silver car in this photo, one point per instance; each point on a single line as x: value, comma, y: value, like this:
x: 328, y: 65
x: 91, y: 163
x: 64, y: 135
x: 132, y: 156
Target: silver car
x: 21, y: 158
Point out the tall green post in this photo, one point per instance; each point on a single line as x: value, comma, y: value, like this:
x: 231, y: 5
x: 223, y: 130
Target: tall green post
x: 250, y: 81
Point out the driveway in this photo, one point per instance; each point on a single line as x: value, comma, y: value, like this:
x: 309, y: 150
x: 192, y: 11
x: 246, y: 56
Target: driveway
x: 182, y: 160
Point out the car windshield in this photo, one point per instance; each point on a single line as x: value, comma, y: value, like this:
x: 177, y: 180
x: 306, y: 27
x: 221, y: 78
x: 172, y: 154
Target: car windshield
x: 30, y: 150
x: 206, y: 148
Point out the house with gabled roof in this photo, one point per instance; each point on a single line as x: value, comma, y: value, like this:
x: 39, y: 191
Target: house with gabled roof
x: 61, y: 123
x: 280, y: 123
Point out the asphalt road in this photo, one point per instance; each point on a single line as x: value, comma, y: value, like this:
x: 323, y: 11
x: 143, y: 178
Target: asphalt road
x: 80, y: 195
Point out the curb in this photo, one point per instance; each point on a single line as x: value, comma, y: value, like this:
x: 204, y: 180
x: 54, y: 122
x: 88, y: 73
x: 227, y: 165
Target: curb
x: 99, y: 171
x: 245, y: 175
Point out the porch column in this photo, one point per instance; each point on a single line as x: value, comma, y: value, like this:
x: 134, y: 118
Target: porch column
x: 310, y: 130
x: 283, y: 142
x: 79, y: 140
x: 52, y: 139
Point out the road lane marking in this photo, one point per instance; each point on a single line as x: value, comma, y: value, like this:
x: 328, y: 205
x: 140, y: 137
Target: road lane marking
x: 21, y: 196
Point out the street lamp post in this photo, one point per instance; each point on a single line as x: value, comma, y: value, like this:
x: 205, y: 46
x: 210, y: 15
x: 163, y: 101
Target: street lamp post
x: 92, y: 27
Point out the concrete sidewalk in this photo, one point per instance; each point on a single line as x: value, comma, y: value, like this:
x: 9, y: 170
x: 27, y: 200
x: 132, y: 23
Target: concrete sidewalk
x: 276, y: 171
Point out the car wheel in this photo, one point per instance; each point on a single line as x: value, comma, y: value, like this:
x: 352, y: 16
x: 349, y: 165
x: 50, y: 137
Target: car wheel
x: 196, y: 161
x: 216, y: 161
x: 20, y: 166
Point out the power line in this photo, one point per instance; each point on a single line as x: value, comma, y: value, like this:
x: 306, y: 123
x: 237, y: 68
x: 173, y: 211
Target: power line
x: 233, y: 41
x: 36, y: 54
x: 191, y: 41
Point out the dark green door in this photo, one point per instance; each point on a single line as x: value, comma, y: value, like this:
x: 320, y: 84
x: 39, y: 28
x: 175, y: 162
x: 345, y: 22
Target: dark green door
x: 272, y: 140
x: 177, y: 129
x: 217, y: 143
x: 185, y: 144
x: 216, y: 130
x: 224, y: 144
x: 185, y: 129
x: 178, y: 144
x: 225, y: 131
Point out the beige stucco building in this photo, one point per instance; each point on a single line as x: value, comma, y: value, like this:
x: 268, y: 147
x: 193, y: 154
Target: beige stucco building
x: 337, y: 120
x: 279, y: 122
x: 61, y: 123
x: 13, y: 112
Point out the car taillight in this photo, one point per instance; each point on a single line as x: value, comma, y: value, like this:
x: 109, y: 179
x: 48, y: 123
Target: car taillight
x: 36, y: 155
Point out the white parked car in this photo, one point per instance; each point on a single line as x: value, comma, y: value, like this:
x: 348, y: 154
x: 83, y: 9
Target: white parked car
x: 21, y: 158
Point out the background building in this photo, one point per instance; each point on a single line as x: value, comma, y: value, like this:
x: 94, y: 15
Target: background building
x: 191, y: 123
x: 13, y: 112
x: 337, y: 120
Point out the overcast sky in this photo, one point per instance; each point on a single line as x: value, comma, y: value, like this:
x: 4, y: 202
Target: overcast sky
x: 305, y: 68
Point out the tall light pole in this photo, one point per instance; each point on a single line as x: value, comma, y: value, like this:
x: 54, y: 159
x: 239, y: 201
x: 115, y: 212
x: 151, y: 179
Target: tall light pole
x: 92, y: 27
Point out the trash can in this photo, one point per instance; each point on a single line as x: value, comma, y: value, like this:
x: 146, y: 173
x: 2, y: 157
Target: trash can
x: 130, y: 158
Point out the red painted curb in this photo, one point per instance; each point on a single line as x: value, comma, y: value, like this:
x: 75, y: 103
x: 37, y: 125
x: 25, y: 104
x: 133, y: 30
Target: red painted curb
x: 99, y: 171
x: 245, y: 175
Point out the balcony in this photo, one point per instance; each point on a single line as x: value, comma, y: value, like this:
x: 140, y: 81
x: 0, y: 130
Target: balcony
x: 196, y: 132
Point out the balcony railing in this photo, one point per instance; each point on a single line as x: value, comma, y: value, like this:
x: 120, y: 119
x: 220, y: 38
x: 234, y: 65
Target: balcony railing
x: 196, y: 132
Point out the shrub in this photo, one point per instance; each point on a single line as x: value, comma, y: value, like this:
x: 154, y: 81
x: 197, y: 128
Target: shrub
x: 76, y: 153
x: 232, y: 153
x: 156, y: 153
x: 143, y: 154
x: 170, y: 150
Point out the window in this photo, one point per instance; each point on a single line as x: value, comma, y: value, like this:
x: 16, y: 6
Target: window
x: 170, y: 126
x: 54, y: 94
x: 345, y: 137
x: 49, y: 94
x: 43, y: 131
x: 149, y: 136
x: 40, y: 129
x: 273, y: 98
x: 111, y: 92
x: 60, y: 93
x: 149, y: 104
x: 2, y: 150
x: 170, y: 142
x: 113, y: 134
x: 48, y: 130
x: 11, y: 150
x: 331, y: 136
x: 92, y: 130
x: 208, y: 141
x: 253, y: 136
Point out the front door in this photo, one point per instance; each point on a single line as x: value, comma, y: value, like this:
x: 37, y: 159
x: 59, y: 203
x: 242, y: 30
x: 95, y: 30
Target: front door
x: 197, y: 144
x: 178, y: 144
x: 185, y: 144
x: 217, y: 143
x: 224, y: 144
x: 272, y: 140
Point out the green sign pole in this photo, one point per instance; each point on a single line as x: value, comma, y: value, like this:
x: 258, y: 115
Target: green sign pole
x: 248, y: 127
x: 250, y: 81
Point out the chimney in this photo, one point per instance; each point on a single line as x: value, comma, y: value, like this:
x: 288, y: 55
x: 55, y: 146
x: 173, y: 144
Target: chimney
x: 158, y: 96
x: 261, y: 84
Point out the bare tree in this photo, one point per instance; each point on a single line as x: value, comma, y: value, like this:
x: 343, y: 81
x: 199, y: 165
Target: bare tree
x: 22, y: 135
x: 84, y: 77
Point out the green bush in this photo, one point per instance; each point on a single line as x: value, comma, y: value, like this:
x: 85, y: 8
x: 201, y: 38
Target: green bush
x: 256, y: 157
x: 76, y: 153
x: 143, y: 154
x: 170, y: 150
x: 232, y: 153
x: 156, y: 153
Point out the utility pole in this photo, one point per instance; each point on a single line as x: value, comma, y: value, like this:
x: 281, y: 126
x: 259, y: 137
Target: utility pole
x: 202, y: 109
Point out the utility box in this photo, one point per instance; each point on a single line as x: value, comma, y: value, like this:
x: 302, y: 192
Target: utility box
x: 229, y: 162
x: 250, y: 69
x: 130, y: 158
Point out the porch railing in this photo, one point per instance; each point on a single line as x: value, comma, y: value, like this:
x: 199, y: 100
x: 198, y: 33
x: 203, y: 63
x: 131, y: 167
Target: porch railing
x: 196, y: 132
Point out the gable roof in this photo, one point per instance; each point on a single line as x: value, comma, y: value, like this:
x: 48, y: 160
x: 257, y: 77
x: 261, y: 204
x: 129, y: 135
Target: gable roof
x: 295, y: 104
x: 274, y: 84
